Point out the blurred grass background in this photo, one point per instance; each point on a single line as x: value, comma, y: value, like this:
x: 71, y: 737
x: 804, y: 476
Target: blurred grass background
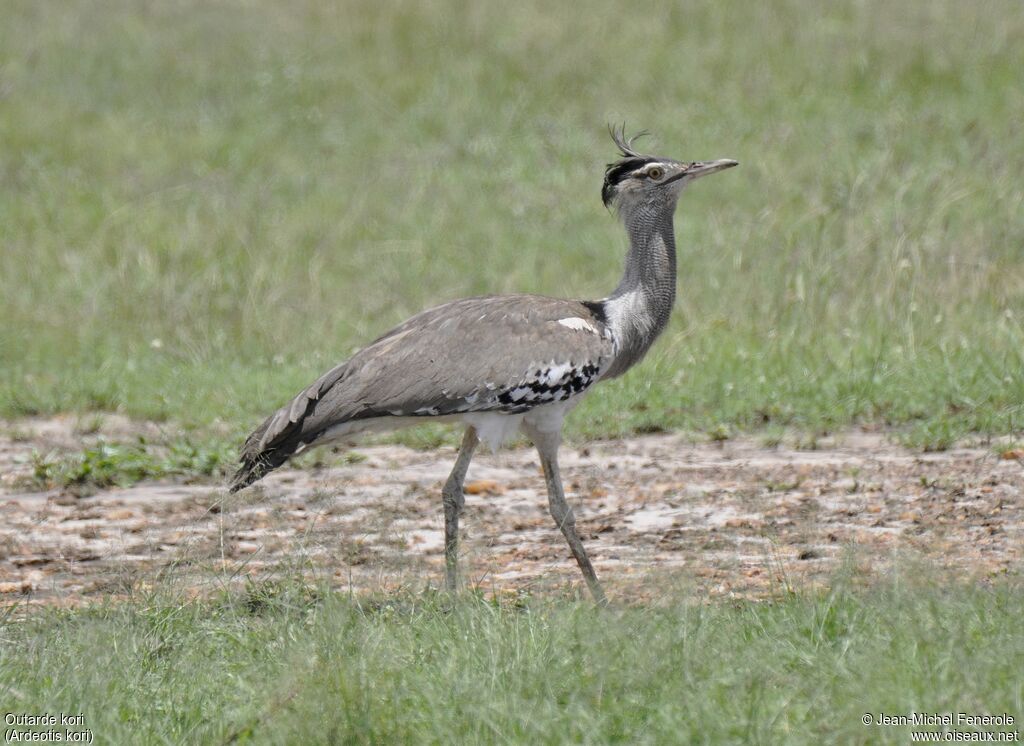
x: 205, y: 204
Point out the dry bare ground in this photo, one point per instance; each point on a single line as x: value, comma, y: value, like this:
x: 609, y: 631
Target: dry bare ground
x: 730, y: 518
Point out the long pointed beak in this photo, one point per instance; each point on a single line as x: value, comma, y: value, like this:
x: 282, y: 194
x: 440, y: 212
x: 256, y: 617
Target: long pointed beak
x: 702, y: 168
x: 709, y: 167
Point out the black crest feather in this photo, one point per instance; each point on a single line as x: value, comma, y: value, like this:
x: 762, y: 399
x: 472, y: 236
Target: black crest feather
x: 631, y: 160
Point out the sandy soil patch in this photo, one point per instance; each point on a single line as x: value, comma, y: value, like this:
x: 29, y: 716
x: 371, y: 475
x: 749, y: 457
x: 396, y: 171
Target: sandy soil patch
x: 735, y: 518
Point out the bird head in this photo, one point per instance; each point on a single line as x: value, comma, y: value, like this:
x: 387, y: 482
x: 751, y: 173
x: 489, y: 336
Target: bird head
x: 638, y: 179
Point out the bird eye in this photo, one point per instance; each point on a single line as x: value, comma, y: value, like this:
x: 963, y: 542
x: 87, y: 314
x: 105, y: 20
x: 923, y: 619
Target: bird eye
x: 656, y: 172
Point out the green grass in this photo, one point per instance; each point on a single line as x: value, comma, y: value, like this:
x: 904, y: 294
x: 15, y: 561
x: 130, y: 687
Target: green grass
x: 107, y: 464
x: 204, y: 205
x: 286, y: 664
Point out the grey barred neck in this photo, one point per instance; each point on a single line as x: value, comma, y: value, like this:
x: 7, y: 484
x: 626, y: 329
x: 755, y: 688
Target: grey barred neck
x: 639, y: 308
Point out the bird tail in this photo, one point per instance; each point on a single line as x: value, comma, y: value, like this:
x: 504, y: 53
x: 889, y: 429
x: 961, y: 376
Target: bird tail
x: 247, y: 473
x: 252, y: 470
x: 288, y: 429
x: 257, y: 461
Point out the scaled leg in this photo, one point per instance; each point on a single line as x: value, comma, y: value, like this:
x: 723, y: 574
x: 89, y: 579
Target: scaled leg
x: 454, y: 499
x: 547, y: 447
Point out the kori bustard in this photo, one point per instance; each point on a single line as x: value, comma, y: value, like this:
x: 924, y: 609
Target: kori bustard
x: 503, y: 363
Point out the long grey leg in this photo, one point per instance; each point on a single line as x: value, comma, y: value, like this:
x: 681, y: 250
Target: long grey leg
x: 547, y: 447
x: 453, y: 501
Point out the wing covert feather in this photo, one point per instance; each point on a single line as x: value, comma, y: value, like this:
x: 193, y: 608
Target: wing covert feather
x: 505, y: 353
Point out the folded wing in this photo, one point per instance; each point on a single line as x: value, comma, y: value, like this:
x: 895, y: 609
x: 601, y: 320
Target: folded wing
x: 493, y: 353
